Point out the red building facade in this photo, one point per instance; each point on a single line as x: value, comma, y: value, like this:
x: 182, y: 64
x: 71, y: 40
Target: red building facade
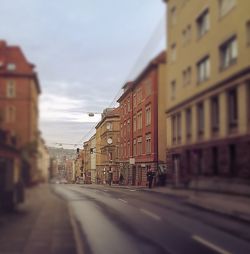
x: 139, y: 125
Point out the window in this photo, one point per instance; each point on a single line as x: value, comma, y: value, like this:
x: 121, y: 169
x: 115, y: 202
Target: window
x: 10, y: 114
x: 179, y: 127
x: 203, y: 69
x: 128, y: 105
x: 139, y: 96
x: 203, y: 23
x: 173, y: 53
x: 128, y: 149
x: 200, y: 119
x: 225, y: 6
x: 148, y: 86
x: 134, y: 100
x: 215, y: 114
x: 228, y: 53
x: 186, y: 76
x: 186, y: 35
x: 174, y: 129
x: 173, y: 15
x: 188, y: 123
x: 139, y: 141
x: 128, y: 128
x: 232, y: 108
x: 134, y: 147
x: 148, y: 143
x: 134, y: 123
x: 11, y: 89
x: 148, y: 115
x: 124, y: 129
x: 173, y: 89
x: 139, y: 121
x: 121, y: 150
x: 125, y: 150
x: 109, y: 126
x: 248, y: 32
x: 11, y: 66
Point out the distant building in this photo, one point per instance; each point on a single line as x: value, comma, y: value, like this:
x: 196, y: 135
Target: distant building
x: 93, y: 158
x: 87, y: 161
x: 143, y: 125
x: 107, y: 145
x: 19, y: 91
x: 208, y: 89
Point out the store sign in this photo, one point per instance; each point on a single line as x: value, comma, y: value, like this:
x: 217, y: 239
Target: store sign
x: 132, y: 161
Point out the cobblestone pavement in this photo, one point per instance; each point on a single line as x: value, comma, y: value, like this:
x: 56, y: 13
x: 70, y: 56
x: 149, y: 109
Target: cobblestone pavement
x: 39, y: 226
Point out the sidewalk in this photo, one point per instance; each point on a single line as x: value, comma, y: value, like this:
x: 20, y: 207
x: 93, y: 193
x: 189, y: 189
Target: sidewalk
x: 235, y: 206
x: 40, y: 225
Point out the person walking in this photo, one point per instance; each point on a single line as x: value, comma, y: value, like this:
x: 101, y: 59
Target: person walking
x: 150, y: 177
x: 121, y: 179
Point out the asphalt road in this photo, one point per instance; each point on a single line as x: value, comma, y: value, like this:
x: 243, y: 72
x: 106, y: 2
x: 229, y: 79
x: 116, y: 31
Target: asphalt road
x: 113, y: 220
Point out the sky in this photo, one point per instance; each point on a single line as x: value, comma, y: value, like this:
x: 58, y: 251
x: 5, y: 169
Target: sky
x: 84, y: 51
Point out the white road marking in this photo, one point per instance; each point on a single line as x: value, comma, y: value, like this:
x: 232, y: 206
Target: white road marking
x: 105, y: 190
x: 210, y: 245
x: 132, y: 190
x: 150, y: 214
x: 124, y: 201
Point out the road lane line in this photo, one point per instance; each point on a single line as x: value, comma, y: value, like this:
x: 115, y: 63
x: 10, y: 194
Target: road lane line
x: 132, y: 190
x: 150, y: 214
x: 122, y: 200
x: 210, y: 245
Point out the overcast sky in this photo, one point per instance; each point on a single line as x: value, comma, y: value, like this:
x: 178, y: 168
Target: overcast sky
x: 84, y: 51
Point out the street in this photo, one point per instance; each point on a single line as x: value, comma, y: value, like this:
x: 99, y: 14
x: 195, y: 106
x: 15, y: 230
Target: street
x: 129, y: 220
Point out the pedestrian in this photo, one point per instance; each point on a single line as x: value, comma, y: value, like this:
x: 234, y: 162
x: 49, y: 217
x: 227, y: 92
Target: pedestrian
x: 110, y: 177
x: 150, y: 177
x: 121, y: 179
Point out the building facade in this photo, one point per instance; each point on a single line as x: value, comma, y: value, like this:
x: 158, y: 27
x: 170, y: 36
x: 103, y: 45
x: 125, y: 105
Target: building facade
x: 107, y: 144
x: 87, y: 161
x: 93, y: 158
x: 208, y: 89
x: 19, y: 91
x: 142, y: 123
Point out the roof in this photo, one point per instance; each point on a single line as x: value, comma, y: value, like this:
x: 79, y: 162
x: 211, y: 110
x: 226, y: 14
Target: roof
x: 127, y: 88
x: 110, y: 114
x: 22, y: 68
x: 159, y: 59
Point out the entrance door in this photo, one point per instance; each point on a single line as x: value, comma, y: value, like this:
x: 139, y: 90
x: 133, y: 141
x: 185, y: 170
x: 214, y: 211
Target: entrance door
x: 133, y: 175
x: 176, y: 167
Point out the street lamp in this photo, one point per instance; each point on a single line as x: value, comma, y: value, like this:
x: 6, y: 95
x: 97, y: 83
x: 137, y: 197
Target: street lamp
x: 92, y: 114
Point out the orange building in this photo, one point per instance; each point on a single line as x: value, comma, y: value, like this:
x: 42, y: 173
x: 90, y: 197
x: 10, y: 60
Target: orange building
x: 19, y: 91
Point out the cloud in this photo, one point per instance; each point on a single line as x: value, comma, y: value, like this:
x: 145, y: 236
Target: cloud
x: 56, y: 108
x: 84, y: 52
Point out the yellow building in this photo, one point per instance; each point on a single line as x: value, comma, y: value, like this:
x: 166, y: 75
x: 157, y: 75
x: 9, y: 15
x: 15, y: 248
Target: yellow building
x: 208, y: 88
x: 107, y: 145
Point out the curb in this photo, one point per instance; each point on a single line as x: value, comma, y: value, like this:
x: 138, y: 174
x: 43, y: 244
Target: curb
x: 230, y: 214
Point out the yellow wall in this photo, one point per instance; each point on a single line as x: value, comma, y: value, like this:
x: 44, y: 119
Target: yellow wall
x: 189, y: 53
x: 162, y: 71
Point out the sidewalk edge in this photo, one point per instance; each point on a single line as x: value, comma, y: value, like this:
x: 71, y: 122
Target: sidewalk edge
x: 77, y: 234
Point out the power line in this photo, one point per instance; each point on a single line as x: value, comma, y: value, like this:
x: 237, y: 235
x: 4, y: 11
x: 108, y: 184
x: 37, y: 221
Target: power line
x: 148, y: 51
